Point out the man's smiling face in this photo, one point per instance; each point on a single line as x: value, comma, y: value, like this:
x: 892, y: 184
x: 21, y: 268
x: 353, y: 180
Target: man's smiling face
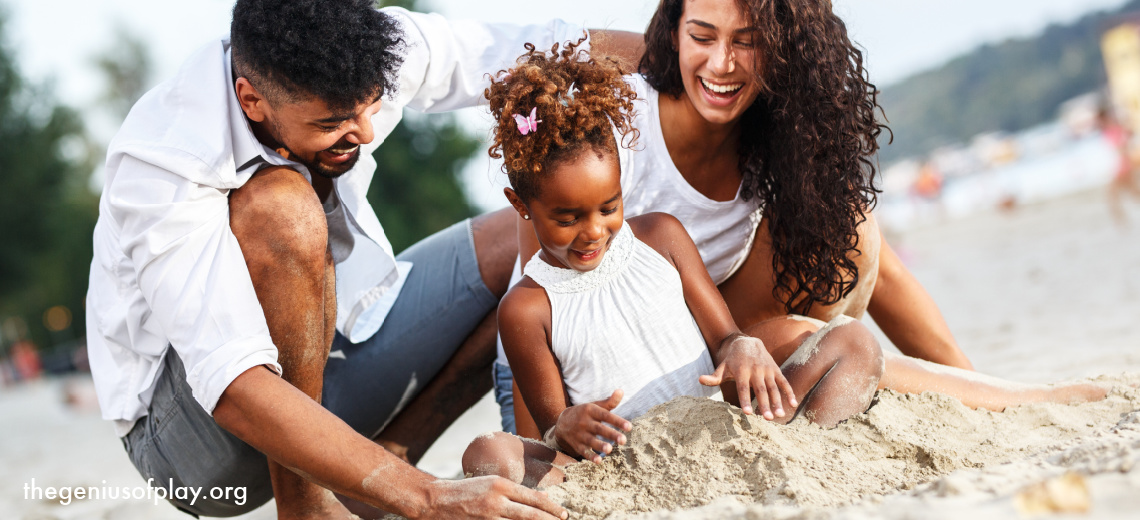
x: 327, y: 141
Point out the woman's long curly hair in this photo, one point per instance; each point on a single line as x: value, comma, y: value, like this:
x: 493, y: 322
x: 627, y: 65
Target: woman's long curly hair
x: 581, y: 102
x: 807, y: 142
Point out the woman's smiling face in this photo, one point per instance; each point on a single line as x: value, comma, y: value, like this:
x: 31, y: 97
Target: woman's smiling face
x: 717, y: 55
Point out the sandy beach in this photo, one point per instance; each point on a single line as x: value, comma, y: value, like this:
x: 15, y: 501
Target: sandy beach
x: 1038, y: 294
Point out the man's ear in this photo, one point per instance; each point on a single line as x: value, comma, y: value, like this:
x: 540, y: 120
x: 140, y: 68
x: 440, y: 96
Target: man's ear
x: 517, y: 203
x: 251, y: 101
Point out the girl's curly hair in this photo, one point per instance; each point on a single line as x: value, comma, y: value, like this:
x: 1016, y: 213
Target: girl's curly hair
x: 807, y: 142
x: 581, y: 102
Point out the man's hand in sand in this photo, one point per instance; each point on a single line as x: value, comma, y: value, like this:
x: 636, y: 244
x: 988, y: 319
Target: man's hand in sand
x: 745, y: 360
x: 491, y: 497
x: 579, y: 427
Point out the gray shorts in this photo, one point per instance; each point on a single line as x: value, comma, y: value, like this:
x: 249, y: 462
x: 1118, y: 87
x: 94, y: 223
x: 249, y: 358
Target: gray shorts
x: 366, y: 384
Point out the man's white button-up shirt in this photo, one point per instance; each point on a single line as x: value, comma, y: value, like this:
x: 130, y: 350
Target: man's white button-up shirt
x: 168, y: 271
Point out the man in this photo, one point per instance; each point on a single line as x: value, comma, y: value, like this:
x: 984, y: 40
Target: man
x: 240, y: 277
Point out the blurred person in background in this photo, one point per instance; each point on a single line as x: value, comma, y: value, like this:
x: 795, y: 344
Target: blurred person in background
x: 1123, y: 180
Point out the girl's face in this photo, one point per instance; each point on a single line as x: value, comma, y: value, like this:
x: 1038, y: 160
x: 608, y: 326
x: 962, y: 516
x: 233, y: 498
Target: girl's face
x: 717, y: 55
x: 578, y: 210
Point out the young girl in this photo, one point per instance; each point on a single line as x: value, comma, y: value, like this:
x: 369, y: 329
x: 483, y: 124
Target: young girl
x: 614, y: 317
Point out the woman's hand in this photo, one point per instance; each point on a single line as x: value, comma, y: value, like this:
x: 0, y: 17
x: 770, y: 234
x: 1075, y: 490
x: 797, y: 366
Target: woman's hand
x: 579, y: 427
x: 745, y: 360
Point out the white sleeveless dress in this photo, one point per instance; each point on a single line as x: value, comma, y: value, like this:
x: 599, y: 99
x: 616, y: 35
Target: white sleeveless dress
x: 624, y: 325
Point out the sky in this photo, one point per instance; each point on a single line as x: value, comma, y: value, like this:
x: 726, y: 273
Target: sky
x: 56, y: 40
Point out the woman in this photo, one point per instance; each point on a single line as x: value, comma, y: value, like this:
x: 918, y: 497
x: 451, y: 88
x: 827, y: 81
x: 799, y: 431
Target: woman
x: 759, y: 131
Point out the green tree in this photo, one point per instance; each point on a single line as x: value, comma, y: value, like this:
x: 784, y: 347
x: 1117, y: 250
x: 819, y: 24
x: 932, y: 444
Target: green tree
x: 46, y: 211
x: 1008, y: 86
x: 126, y: 66
x: 417, y: 190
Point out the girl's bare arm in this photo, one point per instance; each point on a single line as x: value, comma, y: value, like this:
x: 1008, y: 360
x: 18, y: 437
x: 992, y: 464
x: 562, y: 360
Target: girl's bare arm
x: 524, y: 325
x: 736, y: 356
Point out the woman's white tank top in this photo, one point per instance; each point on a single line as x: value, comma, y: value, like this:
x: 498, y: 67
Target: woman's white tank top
x: 722, y: 230
x: 624, y: 325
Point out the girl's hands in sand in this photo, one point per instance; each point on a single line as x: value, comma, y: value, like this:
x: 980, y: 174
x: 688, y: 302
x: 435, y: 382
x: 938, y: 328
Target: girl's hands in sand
x: 579, y: 427
x: 745, y: 360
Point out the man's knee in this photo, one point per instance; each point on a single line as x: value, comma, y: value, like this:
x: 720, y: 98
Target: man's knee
x: 496, y: 247
x: 277, y: 216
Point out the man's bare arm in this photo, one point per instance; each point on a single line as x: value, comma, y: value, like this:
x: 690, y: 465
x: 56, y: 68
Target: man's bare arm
x: 624, y: 46
x: 281, y: 421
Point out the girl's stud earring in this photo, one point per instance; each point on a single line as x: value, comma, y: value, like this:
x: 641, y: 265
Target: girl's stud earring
x: 526, y: 217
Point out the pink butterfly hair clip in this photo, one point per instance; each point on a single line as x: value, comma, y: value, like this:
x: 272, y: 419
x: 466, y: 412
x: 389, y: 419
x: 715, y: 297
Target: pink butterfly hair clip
x: 528, y: 124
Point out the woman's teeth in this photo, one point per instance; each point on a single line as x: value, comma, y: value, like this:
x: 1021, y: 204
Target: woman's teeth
x: 721, y: 89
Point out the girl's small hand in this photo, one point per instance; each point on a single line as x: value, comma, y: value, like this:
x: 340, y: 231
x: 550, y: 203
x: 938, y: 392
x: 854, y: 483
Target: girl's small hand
x: 579, y: 427
x: 745, y: 360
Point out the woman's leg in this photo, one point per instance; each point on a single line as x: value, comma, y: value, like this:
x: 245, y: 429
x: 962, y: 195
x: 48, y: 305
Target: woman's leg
x: 911, y: 375
x: 787, y: 335
x: 522, y: 461
x: 834, y: 369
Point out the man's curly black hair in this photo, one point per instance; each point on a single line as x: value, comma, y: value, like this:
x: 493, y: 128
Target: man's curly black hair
x: 343, y: 52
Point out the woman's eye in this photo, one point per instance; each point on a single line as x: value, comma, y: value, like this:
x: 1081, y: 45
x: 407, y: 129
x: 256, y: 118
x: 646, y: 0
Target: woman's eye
x: 700, y: 39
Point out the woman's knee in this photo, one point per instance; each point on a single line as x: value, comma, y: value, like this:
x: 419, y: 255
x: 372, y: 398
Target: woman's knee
x: 277, y: 216
x: 858, y: 345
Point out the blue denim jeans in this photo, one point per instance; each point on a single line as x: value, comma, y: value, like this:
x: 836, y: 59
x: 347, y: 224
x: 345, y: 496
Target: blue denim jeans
x: 504, y: 396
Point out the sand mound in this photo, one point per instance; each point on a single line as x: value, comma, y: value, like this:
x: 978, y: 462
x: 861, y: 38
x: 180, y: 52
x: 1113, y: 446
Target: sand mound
x: 690, y: 453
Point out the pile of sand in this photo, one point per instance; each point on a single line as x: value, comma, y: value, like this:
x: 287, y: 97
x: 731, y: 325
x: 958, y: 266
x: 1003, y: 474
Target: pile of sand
x: 691, y: 453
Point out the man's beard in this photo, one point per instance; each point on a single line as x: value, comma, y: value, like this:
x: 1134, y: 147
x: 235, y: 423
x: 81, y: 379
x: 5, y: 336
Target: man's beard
x: 314, y: 165
x: 330, y: 172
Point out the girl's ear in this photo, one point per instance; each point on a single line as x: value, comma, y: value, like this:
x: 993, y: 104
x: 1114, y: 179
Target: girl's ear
x: 515, y: 201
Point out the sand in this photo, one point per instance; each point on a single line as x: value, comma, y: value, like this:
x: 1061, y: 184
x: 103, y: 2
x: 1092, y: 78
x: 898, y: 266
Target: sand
x: 692, y: 452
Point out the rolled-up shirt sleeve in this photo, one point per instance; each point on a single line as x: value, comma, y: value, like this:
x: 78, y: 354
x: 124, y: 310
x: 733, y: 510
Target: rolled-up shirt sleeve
x: 190, y: 270
x: 448, y: 61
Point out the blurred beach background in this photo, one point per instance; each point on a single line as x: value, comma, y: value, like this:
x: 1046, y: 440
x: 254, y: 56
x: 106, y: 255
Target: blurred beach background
x: 995, y: 194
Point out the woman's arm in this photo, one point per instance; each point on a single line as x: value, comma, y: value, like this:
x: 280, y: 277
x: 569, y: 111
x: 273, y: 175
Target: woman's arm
x: 736, y: 356
x: 908, y: 315
x: 524, y: 325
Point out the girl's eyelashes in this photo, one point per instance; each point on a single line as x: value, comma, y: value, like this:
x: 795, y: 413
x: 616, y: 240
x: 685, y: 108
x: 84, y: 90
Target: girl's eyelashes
x: 609, y: 211
x: 566, y: 223
x: 700, y: 39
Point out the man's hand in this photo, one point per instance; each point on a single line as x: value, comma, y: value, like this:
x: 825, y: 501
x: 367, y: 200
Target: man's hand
x: 579, y: 427
x: 492, y: 498
x: 745, y: 360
